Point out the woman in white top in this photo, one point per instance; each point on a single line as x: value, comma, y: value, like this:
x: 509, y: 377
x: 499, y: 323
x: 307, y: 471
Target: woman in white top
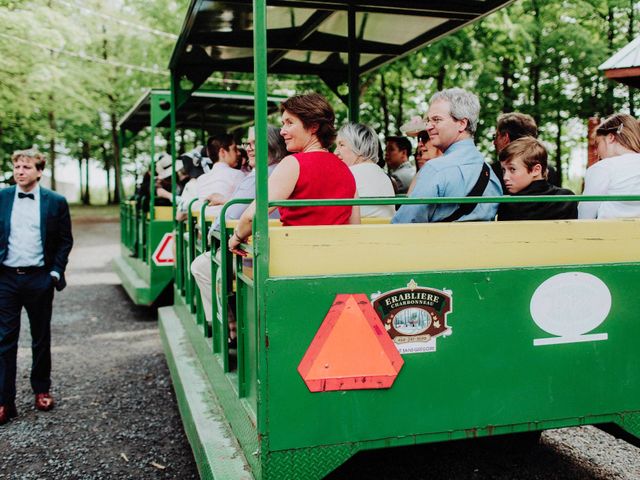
x: 618, y: 170
x: 357, y: 146
x: 218, y: 184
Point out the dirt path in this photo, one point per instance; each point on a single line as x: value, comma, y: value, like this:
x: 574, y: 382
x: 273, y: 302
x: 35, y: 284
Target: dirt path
x: 116, y: 415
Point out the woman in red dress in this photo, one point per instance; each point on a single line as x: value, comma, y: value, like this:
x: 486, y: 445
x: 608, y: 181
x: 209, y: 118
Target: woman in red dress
x: 311, y: 172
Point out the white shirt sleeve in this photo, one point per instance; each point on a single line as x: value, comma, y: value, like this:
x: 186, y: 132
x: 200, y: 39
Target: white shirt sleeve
x: 596, y: 182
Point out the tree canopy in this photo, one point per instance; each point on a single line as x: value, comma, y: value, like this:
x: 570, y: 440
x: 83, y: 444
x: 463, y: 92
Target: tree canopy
x: 70, y: 69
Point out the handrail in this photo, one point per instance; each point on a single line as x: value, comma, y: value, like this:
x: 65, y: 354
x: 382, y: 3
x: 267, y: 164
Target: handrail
x: 451, y: 200
x: 225, y: 270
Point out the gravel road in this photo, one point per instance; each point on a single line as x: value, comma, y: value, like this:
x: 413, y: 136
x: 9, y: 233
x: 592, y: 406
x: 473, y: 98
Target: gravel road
x: 117, y: 417
x: 116, y: 413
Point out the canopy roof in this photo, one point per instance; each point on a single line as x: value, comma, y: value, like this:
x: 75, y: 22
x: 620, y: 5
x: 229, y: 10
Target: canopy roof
x: 624, y: 66
x: 311, y: 37
x: 208, y: 110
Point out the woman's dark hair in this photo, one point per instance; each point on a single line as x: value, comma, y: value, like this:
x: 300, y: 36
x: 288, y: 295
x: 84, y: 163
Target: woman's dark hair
x: 313, y: 110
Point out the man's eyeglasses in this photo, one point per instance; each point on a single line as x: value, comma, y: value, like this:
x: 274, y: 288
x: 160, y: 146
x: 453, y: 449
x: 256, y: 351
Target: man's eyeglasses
x: 249, y: 146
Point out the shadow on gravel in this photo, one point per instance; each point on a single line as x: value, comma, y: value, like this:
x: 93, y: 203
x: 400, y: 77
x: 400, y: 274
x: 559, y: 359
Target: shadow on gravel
x: 498, y: 458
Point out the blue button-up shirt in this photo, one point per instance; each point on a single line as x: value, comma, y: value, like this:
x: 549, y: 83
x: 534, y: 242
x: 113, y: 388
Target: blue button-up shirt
x: 452, y: 175
x: 25, y: 240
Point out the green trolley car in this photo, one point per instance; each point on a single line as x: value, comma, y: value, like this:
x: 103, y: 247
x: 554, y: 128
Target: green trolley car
x: 146, y: 264
x: 467, y: 330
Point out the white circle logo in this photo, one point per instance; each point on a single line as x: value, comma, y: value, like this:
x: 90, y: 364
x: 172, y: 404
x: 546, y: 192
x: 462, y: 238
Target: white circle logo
x: 570, y: 304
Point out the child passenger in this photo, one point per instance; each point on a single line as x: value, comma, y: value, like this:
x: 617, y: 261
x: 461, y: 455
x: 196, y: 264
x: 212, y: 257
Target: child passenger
x: 524, y: 167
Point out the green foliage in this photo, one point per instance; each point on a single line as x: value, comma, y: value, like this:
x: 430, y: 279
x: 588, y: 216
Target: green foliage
x: 70, y: 68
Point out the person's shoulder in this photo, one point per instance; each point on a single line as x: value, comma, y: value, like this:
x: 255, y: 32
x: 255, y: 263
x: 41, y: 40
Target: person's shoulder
x: 562, y: 191
x: 7, y: 191
x: 438, y: 164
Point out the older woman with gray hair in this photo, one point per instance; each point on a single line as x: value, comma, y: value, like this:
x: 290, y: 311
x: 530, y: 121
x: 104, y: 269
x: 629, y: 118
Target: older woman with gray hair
x: 461, y: 171
x: 357, y: 146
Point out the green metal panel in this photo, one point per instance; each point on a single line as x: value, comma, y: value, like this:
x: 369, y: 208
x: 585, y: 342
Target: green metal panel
x: 477, y: 375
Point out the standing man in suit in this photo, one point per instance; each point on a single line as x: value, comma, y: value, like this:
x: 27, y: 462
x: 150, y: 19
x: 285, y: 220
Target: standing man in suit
x: 35, y: 241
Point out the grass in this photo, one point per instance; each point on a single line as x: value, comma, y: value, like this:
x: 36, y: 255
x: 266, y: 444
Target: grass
x: 94, y: 212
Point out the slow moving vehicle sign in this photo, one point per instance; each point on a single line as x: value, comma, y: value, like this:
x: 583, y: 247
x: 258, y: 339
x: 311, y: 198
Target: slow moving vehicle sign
x: 163, y: 255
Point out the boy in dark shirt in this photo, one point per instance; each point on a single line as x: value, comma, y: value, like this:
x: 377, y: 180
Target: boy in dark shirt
x: 524, y: 167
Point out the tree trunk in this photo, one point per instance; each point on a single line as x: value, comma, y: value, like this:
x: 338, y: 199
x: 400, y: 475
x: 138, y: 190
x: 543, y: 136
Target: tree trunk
x: 559, y: 146
x: 442, y: 75
x: 400, y: 109
x: 507, y: 86
x: 81, y: 176
x: 535, y: 63
x: 86, y: 153
x: 384, y: 104
x: 609, y: 99
x: 52, y: 145
x: 107, y: 162
x: 116, y: 158
x: 114, y: 136
x: 630, y: 37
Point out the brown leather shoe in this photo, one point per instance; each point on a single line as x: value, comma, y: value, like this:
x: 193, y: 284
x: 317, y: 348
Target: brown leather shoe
x: 7, y: 412
x: 44, y: 401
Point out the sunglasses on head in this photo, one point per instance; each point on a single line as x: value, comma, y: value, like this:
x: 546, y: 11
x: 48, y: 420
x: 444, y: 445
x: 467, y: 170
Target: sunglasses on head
x: 605, y: 130
x: 423, y: 136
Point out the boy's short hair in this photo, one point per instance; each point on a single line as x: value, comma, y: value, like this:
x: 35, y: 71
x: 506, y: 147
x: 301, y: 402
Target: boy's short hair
x: 31, y: 153
x: 531, y: 150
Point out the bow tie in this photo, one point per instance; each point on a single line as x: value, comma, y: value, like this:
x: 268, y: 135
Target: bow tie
x: 26, y: 195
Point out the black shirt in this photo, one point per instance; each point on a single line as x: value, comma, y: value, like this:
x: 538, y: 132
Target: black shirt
x: 539, y: 210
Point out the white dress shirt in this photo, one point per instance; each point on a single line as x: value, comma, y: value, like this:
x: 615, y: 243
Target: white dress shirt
x: 612, y: 176
x: 25, y: 240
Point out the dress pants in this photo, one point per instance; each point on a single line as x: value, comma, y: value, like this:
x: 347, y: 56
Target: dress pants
x: 33, y: 291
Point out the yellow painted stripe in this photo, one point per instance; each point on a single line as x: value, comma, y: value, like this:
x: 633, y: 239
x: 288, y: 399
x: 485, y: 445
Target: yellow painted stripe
x: 164, y: 213
x: 451, y: 246
x: 375, y: 220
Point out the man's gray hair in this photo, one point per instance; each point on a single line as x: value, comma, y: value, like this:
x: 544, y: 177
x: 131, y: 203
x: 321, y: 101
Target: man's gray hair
x: 362, y: 140
x: 462, y: 104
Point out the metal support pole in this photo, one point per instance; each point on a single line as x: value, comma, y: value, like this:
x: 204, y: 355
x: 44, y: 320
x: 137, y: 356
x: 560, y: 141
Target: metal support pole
x: 261, y: 222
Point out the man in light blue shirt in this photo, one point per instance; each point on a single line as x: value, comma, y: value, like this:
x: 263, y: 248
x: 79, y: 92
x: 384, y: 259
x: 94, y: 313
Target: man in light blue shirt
x: 451, y: 123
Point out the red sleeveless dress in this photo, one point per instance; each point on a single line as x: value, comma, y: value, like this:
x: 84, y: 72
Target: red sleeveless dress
x: 322, y: 175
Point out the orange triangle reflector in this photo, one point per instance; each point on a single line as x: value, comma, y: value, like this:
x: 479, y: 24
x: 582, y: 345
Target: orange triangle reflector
x: 351, y: 350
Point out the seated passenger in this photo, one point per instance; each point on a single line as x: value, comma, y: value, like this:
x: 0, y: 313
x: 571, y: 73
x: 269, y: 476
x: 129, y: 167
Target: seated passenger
x: 164, y: 197
x: 201, y: 265
x: 277, y: 150
x: 312, y: 172
x: 524, y: 163
x: 425, y: 150
x: 461, y: 171
x: 223, y: 178
x: 396, y: 154
x: 618, y: 172
x: 357, y: 146
x: 509, y: 128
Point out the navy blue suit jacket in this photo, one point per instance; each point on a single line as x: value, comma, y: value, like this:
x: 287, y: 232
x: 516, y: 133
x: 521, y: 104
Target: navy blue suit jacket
x: 55, y: 229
